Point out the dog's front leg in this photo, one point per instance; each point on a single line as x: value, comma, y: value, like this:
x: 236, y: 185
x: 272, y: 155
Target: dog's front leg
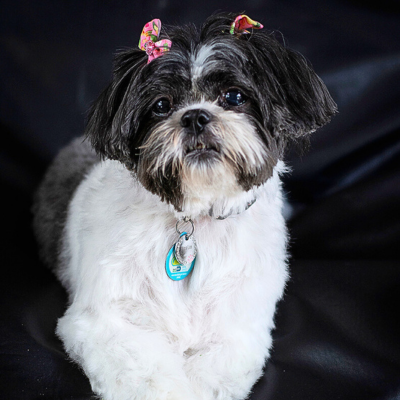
x: 225, y: 371
x: 123, y: 361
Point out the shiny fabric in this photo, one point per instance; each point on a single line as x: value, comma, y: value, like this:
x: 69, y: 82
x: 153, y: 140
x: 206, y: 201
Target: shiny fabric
x: 337, y: 330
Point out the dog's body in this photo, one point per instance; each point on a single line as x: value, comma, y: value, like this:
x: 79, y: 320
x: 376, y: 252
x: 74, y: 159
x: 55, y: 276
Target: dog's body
x: 177, y: 150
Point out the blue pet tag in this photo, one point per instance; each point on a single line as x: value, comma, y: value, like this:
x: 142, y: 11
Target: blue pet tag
x: 181, y: 257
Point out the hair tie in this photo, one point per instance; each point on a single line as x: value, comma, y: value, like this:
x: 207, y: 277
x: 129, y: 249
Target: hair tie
x: 241, y: 23
x: 148, y: 40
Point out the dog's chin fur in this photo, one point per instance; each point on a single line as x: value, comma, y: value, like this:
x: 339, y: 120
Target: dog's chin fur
x: 209, y: 182
x: 106, y: 216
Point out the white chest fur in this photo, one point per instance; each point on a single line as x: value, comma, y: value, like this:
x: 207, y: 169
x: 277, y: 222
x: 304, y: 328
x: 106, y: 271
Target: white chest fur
x: 117, y: 238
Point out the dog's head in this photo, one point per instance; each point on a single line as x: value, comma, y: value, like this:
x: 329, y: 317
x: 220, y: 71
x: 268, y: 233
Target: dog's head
x: 210, y: 118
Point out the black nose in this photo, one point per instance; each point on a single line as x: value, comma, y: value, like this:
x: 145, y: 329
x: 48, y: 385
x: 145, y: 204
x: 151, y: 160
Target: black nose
x: 196, y: 119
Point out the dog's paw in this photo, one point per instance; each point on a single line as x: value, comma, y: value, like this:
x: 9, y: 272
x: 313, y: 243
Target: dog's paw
x: 182, y: 394
x: 122, y: 360
x: 124, y: 383
x: 121, y: 389
x: 215, y: 379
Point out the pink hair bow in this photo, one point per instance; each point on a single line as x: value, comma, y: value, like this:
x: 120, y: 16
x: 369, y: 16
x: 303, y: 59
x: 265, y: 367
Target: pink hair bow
x: 148, y: 40
x: 242, y: 22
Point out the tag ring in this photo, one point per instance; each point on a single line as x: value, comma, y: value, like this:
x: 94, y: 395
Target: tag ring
x: 184, y: 219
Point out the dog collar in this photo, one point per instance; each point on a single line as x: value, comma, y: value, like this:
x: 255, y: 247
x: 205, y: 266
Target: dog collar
x: 181, y: 257
x: 222, y: 217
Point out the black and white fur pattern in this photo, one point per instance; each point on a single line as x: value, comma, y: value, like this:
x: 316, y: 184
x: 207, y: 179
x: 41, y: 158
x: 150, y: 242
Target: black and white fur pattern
x: 106, y: 219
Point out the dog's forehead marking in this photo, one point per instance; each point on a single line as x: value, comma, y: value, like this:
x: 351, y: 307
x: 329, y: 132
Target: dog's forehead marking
x: 200, y: 60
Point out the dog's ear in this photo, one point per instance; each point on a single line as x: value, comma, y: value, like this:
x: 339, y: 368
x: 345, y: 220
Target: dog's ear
x: 109, y: 119
x: 296, y: 102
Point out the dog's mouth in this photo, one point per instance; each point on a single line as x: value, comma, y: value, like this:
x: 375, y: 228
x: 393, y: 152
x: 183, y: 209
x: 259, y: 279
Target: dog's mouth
x: 200, y: 152
x: 200, y: 147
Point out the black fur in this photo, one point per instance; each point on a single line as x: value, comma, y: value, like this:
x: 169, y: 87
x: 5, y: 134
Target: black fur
x: 287, y: 100
x: 55, y: 194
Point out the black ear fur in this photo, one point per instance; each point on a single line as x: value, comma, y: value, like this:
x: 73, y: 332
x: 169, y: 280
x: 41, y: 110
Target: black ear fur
x: 297, y: 101
x: 109, y: 123
x: 293, y: 99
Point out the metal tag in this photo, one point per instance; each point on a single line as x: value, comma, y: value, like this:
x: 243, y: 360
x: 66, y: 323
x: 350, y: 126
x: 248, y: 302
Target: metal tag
x: 187, y: 251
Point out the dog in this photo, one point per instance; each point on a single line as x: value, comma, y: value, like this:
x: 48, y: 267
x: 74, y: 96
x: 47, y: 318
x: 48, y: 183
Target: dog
x: 164, y: 223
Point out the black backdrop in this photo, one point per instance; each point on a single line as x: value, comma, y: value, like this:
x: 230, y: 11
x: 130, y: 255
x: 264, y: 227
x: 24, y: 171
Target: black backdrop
x: 337, y: 333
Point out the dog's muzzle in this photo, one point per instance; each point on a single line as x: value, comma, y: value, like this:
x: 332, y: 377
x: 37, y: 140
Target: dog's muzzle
x: 200, y: 143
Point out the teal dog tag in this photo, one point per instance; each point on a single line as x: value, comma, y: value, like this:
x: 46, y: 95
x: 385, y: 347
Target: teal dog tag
x: 181, y: 257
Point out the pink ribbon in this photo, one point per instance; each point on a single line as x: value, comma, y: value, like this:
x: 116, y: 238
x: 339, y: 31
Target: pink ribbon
x: 148, y: 40
x: 242, y: 22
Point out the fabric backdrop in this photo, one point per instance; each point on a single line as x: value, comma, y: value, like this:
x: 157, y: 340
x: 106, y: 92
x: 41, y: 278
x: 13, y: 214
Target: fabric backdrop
x: 338, y: 331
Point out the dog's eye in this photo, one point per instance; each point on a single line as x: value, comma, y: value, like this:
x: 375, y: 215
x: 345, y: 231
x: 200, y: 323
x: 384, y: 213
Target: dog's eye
x: 234, y: 97
x: 162, y: 106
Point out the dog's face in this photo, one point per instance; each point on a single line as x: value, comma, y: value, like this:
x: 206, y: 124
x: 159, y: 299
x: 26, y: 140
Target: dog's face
x: 211, y: 117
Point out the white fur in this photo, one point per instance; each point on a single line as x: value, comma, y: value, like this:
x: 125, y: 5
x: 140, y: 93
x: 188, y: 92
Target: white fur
x: 201, y: 61
x: 139, y: 335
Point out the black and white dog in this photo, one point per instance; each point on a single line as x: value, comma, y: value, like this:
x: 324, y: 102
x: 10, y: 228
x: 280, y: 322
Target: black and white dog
x: 169, y: 235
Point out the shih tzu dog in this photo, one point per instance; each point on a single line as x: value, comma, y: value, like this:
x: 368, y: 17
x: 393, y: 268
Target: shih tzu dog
x: 165, y: 226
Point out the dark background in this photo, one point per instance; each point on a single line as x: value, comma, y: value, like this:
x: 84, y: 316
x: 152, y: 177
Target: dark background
x: 338, y: 330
